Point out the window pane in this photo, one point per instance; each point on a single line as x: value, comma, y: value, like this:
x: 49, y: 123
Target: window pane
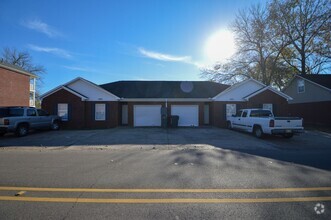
x: 31, y: 112
x: 100, y: 112
x: 301, y: 86
x: 62, y: 111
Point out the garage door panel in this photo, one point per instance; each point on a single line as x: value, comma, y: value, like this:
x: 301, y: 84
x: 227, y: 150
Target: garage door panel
x: 147, y: 115
x: 188, y: 114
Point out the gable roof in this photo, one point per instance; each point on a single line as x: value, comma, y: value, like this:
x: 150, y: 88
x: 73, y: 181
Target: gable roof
x: 270, y: 89
x: 321, y: 79
x: 237, y: 85
x: 17, y: 69
x: 66, y: 87
x: 165, y: 89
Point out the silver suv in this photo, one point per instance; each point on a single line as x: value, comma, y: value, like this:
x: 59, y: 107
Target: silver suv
x: 21, y: 119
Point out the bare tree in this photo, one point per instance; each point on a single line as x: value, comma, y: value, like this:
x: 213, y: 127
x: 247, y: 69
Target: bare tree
x: 305, y: 24
x: 22, y: 59
x: 258, y: 53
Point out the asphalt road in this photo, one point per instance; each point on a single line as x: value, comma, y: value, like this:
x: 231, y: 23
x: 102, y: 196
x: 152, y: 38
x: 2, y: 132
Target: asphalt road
x: 192, y: 178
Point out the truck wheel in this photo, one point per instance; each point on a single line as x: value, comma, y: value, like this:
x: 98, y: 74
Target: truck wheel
x: 55, y: 125
x: 22, y: 130
x: 258, y: 132
x: 288, y: 135
x: 228, y: 125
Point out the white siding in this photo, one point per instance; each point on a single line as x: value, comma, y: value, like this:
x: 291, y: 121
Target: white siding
x: 93, y: 93
x: 312, y: 93
x: 239, y: 92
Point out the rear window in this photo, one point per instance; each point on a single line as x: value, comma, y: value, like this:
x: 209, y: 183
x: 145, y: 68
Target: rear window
x: 261, y: 113
x: 11, y: 112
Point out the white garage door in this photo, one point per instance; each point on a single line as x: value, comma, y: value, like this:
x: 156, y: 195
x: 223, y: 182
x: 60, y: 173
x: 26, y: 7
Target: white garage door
x: 146, y: 115
x: 188, y: 114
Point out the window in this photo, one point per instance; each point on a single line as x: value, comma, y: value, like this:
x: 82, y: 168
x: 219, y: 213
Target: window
x: 301, y: 86
x: 261, y: 113
x: 230, y: 110
x: 244, y: 114
x: 100, y: 112
x: 239, y: 113
x: 42, y: 112
x: 267, y: 106
x: 11, y: 112
x: 31, y: 112
x: 62, y: 111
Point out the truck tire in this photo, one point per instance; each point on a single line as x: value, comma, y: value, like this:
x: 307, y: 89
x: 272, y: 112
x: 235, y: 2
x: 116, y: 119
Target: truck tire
x: 290, y: 135
x: 55, y: 125
x: 22, y: 130
x: 257, y: 131
x: 2, y: 134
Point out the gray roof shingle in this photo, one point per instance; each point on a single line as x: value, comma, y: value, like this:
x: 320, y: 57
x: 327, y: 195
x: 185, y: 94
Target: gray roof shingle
x: 321, y: 79
x: 164, y: 89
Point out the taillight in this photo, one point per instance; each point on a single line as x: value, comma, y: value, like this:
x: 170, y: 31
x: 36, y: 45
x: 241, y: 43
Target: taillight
x: 271, y: 123
x: 6, y: 121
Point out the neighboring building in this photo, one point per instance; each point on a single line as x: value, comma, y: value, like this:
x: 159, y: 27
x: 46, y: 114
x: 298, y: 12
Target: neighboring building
x: 83, y: 104
x: 311, y: 98
x: 17, y: 86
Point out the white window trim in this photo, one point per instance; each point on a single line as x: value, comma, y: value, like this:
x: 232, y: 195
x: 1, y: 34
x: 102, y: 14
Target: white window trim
x: 96, y: 113
x: 61, y: 111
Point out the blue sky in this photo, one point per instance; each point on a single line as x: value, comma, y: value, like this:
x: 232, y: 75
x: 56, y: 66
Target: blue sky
x: 105, y: 41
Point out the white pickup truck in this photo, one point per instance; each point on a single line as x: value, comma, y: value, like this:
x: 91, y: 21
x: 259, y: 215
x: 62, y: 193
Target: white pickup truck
x: 262, y: 121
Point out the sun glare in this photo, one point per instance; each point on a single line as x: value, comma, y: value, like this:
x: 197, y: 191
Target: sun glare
x: 220, y: 46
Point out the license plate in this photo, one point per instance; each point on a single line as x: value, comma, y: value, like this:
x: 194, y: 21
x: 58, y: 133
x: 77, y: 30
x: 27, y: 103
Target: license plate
x: 288, y: 131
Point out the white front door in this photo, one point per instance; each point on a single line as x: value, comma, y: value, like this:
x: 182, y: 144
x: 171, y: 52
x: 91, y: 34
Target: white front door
x: 146, y: 115
x: 188, y: 114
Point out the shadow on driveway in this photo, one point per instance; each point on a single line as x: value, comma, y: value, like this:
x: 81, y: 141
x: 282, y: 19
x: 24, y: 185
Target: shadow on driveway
x: 312, y: 148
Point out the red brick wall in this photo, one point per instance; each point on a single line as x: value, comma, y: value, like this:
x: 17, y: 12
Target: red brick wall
x: 218, y: 112
x: 75, y: 104
x: 112, y: 115
x: 280, y: 105
x: 81, y: 113
x: 315, y: 113
x: 14, y: 88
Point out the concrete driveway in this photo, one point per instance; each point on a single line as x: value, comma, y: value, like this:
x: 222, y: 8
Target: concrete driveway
x: 300, y: 149
x: 124, y: 137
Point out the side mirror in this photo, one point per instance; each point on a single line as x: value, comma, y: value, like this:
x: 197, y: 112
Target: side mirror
x: 234, y: 116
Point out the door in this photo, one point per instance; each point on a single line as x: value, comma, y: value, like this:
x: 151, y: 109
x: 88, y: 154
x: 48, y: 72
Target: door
x: 146, y: 115
x: 44, y: 119
x: 124, y: 114
x: 188, y: 114
x: 206, y: 114
x: 32, y: 118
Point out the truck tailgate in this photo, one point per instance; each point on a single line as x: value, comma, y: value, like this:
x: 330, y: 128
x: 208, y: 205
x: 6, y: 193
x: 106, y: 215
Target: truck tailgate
x: 288, y: 122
